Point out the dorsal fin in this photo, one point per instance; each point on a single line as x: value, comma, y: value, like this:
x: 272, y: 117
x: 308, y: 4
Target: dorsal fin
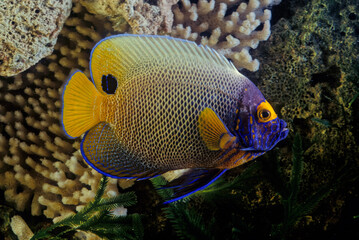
x: 116, y: 54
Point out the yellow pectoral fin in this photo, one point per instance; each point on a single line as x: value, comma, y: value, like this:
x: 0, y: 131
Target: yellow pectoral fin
x: 80, y: 99
x: 226, y: 141
x: 213, y: 131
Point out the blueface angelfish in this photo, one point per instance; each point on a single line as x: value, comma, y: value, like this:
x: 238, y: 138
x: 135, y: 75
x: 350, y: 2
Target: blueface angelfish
x: 158, y: 103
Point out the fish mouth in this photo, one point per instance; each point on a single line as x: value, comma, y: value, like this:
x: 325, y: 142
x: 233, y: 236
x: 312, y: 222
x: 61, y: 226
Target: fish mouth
x: 284, y: 132
x: 280, y: 135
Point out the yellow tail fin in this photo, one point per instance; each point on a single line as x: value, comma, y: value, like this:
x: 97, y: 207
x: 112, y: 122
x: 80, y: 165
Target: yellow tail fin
x: 80, y: 110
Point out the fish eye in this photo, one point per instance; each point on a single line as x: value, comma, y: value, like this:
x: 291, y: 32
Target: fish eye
x: 264, y: 114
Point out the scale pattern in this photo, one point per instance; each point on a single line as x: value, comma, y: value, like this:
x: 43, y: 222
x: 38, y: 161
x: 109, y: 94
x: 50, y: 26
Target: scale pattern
x: 158, y: 106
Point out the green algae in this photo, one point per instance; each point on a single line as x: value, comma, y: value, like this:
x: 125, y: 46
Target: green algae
x: 5, y: 217
x: 316, y: 47
x: 311, y: 76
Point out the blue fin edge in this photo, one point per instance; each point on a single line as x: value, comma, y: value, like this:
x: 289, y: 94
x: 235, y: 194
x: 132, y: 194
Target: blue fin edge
x: 141, y: 35
x: 198, y: 189
x: 102, y: 172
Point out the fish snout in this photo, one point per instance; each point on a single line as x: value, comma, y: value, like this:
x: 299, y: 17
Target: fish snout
x: 281, y: 132
x: 284, y: 130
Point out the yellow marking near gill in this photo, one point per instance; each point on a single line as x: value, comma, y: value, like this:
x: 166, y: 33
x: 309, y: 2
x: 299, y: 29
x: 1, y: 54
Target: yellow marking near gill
x: 224, y: 163
x: 226, y: 141
x: 235, y: 160
x: 244, y: 160
x: 238, y: 122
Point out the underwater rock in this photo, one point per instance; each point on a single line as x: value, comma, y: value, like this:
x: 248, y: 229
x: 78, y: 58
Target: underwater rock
x: 135, y: 16
x: 309, y: 59
x: 28, y: 32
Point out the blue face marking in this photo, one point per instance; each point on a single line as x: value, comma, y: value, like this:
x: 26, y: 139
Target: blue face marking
x: 257, y: 136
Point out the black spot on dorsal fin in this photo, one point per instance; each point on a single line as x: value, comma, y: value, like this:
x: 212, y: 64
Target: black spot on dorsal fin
x: 109, y: 84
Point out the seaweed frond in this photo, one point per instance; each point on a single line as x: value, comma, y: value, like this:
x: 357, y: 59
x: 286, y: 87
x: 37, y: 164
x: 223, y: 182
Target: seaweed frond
x: 293, y: 209
x: 158, y: 183
x: 353, y: 100
x: 322, y: 122
x: 223, y: 186
x: 297, y: 168
x: 96, y: 217
x: 187, y: 222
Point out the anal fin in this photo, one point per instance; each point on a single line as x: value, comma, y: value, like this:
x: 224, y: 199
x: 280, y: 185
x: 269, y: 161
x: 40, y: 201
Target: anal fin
x: 103, y: 151
x: 192, y: 181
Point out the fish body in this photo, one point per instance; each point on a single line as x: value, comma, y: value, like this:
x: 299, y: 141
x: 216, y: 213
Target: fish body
x: 158, y: 104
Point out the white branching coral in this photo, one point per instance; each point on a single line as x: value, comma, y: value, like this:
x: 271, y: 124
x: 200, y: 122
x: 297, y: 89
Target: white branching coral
x: 232, y: 27
x: 229, y: 26
x: 20, y: 228
x: 39, y: 166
